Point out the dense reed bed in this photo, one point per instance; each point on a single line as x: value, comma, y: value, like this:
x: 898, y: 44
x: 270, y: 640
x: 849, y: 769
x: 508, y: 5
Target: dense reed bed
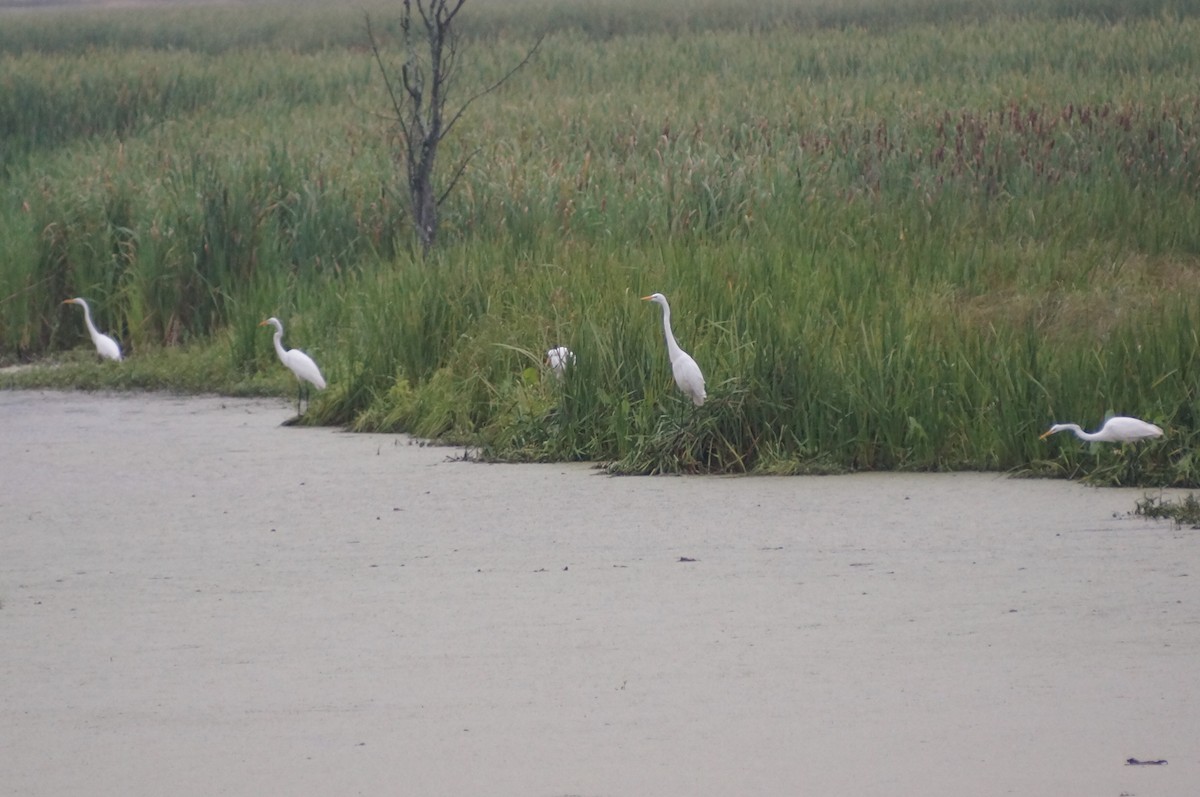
x: 894, y: 235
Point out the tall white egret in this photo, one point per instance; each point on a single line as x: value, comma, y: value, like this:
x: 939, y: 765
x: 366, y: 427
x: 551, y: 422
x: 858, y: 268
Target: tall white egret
x: 297, y: 362
x: 683, y: 367
x: 105, y: 346
x: 558, y: 359
x: 1117, y: 429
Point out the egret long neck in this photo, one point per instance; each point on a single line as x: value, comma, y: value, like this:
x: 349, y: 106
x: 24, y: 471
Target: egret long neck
x: 279, y: 343
x: 673, y: 349
x: 87, y: 319
x: 1082, y: 435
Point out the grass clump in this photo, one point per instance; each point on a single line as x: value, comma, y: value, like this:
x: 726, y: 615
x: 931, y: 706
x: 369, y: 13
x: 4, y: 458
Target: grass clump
x: 1184, y: 512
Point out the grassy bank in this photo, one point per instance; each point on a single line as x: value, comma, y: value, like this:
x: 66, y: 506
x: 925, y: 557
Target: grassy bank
x: 894, y: 236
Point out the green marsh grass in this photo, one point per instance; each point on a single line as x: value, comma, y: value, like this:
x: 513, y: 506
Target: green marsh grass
x: 1185, y: 511
x: 894, y: 236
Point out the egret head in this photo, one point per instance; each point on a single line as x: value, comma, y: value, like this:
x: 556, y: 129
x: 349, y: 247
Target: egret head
x: 1058, y: 427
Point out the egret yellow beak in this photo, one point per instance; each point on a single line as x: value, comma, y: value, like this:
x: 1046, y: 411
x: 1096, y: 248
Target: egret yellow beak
x: 1044, y: 435
x: 645, y: 298
x: 262, y: 323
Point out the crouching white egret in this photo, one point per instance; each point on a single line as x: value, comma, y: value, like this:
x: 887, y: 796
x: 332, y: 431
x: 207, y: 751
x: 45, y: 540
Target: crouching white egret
x: 297, y: 362
x: 558, y: 359
x: 683, y: 367
x: 105, y: 346
x: 1117, y: 429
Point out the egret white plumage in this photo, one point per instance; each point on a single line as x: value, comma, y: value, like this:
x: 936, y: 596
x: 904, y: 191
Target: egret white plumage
x: 687, y: 374
x: 105, y: 345
x: 297, y: 362
x: 1117, y: 429
x: 558, y: 359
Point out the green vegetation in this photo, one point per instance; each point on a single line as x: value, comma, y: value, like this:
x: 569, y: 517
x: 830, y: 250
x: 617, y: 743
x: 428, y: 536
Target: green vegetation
x: 896, y: 234
x: 1185, y: 511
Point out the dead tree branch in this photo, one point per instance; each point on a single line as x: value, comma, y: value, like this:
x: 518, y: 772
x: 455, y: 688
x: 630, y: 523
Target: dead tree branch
x: 419, y: 95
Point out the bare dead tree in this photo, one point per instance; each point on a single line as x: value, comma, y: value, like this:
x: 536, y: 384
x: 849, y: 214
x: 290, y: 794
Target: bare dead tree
x: 419, y: 96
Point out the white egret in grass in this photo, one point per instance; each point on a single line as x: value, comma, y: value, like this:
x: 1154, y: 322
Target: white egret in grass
x: 297, y: 362
x: 1117, y: 429
x: 105, y: 346
x: 683, y: 367
x: 558, y: 359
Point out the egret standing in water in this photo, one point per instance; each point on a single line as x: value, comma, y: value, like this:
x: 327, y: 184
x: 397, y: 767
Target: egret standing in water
x: 683, y: 367
x: 1117, y: 429
x: 297, y: 362
x: 105, y: 346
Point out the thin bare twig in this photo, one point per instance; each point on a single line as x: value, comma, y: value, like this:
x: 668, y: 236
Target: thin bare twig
x: 462, y: 167
x: 528, y: 56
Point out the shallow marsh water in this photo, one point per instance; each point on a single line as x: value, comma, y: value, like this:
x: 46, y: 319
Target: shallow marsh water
x: 196, y: 600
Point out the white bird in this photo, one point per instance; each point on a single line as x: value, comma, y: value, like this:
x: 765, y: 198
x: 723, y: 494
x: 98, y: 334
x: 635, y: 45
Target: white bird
x: 683, y: 367
x: 297, y: 362
x: 558, y: 359
x: 1117, y: 429
x: 105, y: 346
